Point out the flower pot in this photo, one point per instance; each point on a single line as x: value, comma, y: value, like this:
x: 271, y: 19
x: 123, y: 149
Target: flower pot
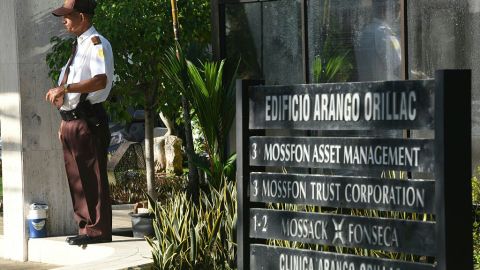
x: 142, y: 225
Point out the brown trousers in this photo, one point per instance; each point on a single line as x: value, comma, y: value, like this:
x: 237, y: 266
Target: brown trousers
x: 85, y: 155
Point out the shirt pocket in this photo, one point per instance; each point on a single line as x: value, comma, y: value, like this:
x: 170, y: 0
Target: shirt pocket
x: 75, y: 75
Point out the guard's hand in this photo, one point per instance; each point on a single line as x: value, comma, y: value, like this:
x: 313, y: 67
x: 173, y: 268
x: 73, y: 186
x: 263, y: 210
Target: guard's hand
x: 55, y: 96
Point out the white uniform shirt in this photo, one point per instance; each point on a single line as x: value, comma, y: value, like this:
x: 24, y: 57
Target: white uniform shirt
x: 90, y: 60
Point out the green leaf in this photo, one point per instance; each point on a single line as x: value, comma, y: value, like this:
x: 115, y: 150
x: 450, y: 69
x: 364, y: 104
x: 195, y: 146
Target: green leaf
x: 193, y: 245
x: 214, y: 232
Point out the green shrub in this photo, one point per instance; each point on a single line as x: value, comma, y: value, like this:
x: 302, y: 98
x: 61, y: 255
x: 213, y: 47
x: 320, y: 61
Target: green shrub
x: 196, y: 237
x: 476, y: 187
x: 476, y: 244
x: 212, y: 96
x: 476, y: 223
x: 131, y: 185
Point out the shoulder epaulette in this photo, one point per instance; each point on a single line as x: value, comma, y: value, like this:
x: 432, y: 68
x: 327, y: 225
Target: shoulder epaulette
x: 96, y: 40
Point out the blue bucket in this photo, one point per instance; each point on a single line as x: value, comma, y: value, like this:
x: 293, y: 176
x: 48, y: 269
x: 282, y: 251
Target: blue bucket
x: 37, y: 221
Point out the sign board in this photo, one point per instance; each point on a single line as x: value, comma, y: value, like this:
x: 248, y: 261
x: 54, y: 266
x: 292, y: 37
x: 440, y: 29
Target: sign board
x: 270, y: 257
x: 285, y: 206
x: 396, y: 235
x: 343, y: 192
x: 347, y: 106
x: 343, y: 153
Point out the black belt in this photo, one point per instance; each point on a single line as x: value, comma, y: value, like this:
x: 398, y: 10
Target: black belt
x: 77, y: 113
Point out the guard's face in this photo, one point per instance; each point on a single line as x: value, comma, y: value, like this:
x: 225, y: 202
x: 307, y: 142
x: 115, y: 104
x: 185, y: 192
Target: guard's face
x: 73, y: 22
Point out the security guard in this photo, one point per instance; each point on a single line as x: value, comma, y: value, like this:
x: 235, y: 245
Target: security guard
x: 377, y: 51
x: 84, y: 84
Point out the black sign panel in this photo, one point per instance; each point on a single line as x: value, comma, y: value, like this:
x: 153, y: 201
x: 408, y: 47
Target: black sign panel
x: 340, y: 230
x: 343, y: 153
x: 345, y: 192
x: 269, y: 257
x: 345, y: 106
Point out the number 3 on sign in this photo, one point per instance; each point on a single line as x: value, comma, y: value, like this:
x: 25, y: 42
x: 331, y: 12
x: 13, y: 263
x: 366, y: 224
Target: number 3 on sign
x: 255, y: 188
x: 261, y: 223
x: 254, y: 151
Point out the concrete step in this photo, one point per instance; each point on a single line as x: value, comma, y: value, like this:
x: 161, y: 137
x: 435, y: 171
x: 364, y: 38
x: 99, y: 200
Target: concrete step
x: 121, y: 253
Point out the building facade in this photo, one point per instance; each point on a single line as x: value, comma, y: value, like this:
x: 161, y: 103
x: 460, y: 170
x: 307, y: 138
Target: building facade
x: 292, y: 42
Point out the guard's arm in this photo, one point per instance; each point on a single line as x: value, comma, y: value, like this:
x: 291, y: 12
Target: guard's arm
x: 96, y: 83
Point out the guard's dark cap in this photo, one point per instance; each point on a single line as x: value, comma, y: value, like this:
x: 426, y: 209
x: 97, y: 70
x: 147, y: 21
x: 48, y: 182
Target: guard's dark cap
x: 83, y: 6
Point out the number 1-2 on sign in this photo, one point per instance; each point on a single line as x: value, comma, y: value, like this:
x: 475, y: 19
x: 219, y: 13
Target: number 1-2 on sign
x: 261, y: 223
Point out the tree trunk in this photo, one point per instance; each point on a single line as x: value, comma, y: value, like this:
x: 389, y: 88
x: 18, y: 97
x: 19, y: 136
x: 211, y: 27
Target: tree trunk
x: 149, y: 160
x: 193, y: 183
x: 168, y: 124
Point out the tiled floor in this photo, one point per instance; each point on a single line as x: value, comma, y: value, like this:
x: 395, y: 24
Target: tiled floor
x: 121, y: 224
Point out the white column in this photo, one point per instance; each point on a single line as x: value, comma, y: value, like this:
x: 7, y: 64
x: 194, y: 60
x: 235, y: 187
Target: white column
x: 33, y: 169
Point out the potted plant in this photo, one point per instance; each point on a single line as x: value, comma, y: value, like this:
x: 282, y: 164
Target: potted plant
x: 143, y: 214
x: 142, y: 220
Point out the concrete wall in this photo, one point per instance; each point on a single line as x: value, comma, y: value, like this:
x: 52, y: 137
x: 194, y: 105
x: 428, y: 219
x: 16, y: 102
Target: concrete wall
x: 33, y: 168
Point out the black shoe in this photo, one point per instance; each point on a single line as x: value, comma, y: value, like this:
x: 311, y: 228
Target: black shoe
x: 72, y: 237
x: 85, y: 240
